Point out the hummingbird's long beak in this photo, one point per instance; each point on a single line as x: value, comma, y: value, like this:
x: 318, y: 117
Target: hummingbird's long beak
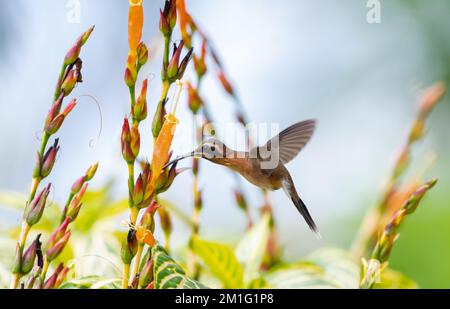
x: 188, y: 155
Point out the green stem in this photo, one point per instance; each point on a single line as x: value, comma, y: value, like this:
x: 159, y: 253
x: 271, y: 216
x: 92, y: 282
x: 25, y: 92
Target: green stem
x: 15, y: 281
x: 66, y: 207
x: 137, y: 261
x: 45, y: 269
x: 126, y: 275
x: 166, y: 52
x: 60, y: 80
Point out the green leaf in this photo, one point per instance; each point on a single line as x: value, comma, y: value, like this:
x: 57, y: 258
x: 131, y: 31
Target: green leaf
x: 168, y: 274
x: 251, y: 249
x: 338, y: 265
x: 259, y: 283
x: 90, y: 282
x: 300, y: 277
x: 392, y: 279
x: 326, y: 268
x: 221, y: 262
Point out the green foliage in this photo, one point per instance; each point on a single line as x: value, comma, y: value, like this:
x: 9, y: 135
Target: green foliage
x: 391, y: 279
x: 221, y: 261
x: 168, y: 274
x: 251, y: 249
x: 91, y: 282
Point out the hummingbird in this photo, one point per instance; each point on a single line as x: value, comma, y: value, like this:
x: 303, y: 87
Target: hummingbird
x: 264, y: 166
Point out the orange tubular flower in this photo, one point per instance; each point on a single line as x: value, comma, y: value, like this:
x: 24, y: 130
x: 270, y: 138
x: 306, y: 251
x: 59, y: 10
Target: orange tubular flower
x: 162, y: 146
x: 135, y: 23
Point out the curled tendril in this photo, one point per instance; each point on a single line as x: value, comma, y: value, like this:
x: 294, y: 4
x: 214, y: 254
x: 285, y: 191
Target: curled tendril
x: 93, y: 141
x: 150, y: 77
x: 76, y: 260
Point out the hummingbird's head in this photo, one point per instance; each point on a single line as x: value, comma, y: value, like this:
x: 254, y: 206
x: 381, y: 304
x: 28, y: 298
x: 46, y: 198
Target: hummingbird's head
x: 211, y: 149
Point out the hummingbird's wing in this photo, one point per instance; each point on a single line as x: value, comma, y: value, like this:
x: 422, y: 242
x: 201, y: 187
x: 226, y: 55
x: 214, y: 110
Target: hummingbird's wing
x: 290, y: 141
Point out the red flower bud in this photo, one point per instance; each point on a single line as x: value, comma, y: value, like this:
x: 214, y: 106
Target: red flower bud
x: 135, y: 142
x: 51, y: 281
x: 90, y: 173
x: 54, y: 111
x: 49, y: 159
x: 76, y: 187
x: 142, y: 54
x: 72, y: 78
x: 172, y: 69
x: 34, y: 210
x: 129, y: 247
x: 57, y: 241
x: 69, y: 107
x: 139, y: 109
x: 127, y: 153
x: 30, y: 254
x: 138, y: 194
x: 164, y: 26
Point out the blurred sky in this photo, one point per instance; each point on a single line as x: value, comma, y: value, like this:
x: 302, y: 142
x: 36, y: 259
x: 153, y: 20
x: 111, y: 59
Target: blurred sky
x: 290, y: 60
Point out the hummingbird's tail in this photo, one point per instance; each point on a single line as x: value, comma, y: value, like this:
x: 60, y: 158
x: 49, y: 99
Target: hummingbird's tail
x: 301, y: 207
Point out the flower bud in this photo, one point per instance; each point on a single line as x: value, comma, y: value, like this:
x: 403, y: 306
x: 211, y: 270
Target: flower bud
x: 34, y: 210
x: 142, y: 54
x: 127, y: 153
x: 417, y: 130
x: 55, y: 125
x: 61, y: 277
x: 30, y: 254
x: 51, y: 281
x: 225, y: 83
x: 158, y: 118
x: 69, y: 107
x: 74, y: 52
x: 164, y: 26
x: 147, y: 219
x: 76, y: 187
x: 166, y: 222
x: 184, y: 63
x: 146, y: 274
x: 135, y: 142
x: 49, y: 159
x: 129, y: 247
x: 139, y: 110
x: 18, y: 259
x: 75, y: 204
x: 168, y: 17
x: 240, y: 199
x: 172, y: 69
x: 194, y: 100
x: 138, y: 194
x: 431, y: 97
x: 167, y: 178
x: 72, y: 78
x: 131, y: 71
x: 57, y: 241
x: 54, y: 110
x: 90, y: 173
x: 200, y: 61
x: 58, y: 247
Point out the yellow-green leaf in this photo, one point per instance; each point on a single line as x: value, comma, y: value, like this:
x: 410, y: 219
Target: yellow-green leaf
x: 221, y: 262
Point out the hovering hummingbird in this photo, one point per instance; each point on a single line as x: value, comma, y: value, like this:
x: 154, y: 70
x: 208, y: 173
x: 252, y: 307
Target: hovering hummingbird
x: 255, y: 166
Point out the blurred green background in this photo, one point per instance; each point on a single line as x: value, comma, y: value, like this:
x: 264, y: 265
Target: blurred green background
x: 290, y: 60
